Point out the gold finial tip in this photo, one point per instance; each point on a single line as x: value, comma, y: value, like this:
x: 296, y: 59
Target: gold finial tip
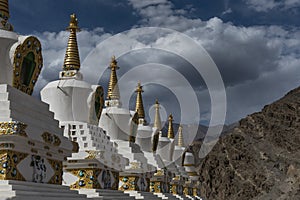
x: 156, y: 101
x: 139, y: 87
x: 170, y: 117
x: 73, y: 23
x: 113, y: 63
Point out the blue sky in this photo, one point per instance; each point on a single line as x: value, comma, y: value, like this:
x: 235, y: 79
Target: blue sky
x: 255, y: 43
x: 119, y: 15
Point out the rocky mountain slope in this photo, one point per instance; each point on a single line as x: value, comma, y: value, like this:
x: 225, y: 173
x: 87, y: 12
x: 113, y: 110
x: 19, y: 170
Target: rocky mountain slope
x: 260, y: 158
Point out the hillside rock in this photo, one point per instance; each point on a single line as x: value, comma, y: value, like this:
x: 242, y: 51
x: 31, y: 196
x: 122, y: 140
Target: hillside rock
x: 260, y: 158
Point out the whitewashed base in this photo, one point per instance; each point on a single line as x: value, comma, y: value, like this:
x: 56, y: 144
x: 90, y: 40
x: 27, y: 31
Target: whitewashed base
x: 21, y: 190
x: 105, y: 194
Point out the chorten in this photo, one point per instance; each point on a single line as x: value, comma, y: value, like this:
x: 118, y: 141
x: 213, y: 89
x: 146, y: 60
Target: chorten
x: 191, y: 186
x: 71, y: 98
x: 33, y: 146
x: 21, y: 56
x: 123, y: 127
x: 145, y: 133
x: 78, y: 107
x: 119, y: 122
x: 179, y: 147
x: 74, y: 138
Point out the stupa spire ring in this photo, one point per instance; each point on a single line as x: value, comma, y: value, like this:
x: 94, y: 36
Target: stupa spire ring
x: 113, y: 89
x: 180, y: 137
x: 139, y: 107
x: 170, y: 128
x: 4, y: 16
x: 72, y: 60
x: 4, y: 9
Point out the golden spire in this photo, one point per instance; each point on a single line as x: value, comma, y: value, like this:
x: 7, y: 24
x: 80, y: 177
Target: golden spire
x: 113, y: 88
x: 139, y: 107
x: 4, y: 9
x: 170, y: 129
x: 72, y: 61
x: 180, y: 137
x: 157, y: 120
x: 4, y: 16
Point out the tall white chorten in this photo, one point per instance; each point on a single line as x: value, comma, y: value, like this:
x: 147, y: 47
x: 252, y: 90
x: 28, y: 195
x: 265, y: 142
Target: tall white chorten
x: 21, y: 56
x: 78, y: 106
x: 121, y: 125
x: 179, y: 147
x: 32, y: 146
x: 71, y: 98
x: 145, y: 133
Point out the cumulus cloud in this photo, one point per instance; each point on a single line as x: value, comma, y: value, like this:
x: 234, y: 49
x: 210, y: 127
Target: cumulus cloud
x: 251, y: 59
x: 267, y: 5
x: 258, y: 64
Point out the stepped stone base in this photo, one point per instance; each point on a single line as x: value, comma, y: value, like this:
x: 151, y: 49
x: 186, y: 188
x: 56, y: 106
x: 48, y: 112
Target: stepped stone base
x: 105, y: 194
x: 175, y: 197
x: 149, y: 195
x: 21, y: 190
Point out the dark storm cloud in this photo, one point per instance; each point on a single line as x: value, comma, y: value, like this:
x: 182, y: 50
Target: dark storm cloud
x: 243, y: 57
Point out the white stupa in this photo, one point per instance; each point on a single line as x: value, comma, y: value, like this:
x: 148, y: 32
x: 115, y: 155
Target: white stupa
x: 32, y: 146
x: 74, y: 144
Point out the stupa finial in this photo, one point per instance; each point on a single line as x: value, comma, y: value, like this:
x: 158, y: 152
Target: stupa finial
x: 4, y: 16
x: 113, y: 89
x: 72, y: 60
x: 170, y: 129
x: 139, y: 107
x: 180, y: 137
